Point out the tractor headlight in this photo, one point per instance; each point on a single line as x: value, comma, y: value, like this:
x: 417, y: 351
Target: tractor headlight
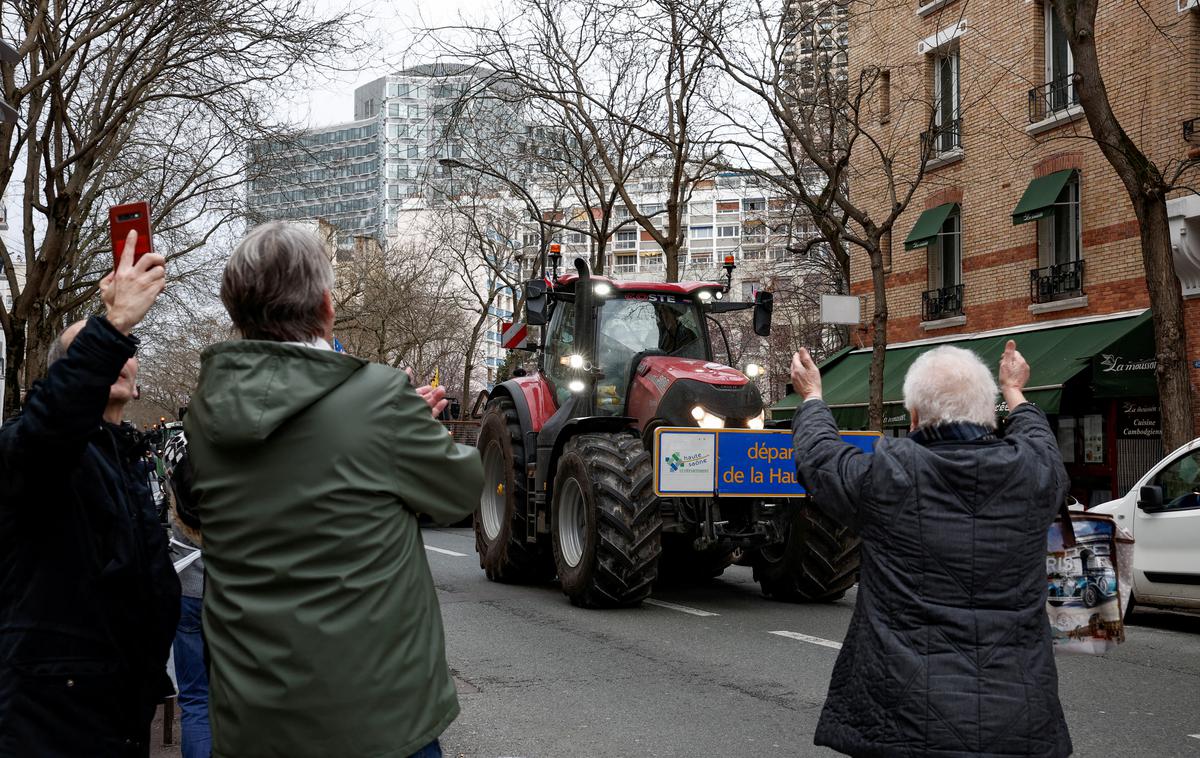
x: 753, y: 370
x: 707, y: 420
x: 575, y: 361
x: 758, y: 422
x: 577, y: 386
x: 603, y: 289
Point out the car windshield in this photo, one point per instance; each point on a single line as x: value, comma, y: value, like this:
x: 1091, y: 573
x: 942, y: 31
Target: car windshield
x: 641, y: 323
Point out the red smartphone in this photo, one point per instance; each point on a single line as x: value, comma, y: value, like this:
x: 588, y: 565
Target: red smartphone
x: 122, y: 218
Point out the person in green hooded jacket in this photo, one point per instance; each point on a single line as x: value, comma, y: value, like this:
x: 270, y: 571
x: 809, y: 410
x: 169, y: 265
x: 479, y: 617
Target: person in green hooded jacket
x: 310, y: 468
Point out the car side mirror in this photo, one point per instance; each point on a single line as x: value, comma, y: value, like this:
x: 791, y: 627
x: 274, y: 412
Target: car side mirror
x: 1150, y: 498
x: 764, y: 306
x: 535, y: 302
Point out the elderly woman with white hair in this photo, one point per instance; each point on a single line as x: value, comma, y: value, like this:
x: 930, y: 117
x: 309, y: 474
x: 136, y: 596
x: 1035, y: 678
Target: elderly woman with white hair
x: 949, y: 650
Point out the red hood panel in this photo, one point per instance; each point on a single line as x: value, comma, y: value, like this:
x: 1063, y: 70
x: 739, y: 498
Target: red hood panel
x: 688, y: 368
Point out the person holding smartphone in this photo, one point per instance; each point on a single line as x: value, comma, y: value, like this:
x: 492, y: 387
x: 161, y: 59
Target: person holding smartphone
x: 88, y: 596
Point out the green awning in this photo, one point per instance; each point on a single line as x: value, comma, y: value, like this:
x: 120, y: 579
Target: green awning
x: 1126, y: 368
x: 1040, y: 195
x: 1055, y: 355
x: 928, y: 226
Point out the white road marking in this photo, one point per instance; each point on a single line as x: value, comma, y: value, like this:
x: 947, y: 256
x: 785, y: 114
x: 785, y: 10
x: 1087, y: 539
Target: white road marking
x: 445, y: 552
x: 680, y: 608
x: 812, y: 640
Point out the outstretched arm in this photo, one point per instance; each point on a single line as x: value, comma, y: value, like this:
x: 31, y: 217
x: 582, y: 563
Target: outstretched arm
x: 834, y: 472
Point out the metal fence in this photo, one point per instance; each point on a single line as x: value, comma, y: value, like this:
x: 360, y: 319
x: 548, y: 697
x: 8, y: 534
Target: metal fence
x: 464, y: 432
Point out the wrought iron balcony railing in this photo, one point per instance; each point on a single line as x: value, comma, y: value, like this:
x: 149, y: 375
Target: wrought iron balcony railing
x: 943, y: 139
x: 1052, y: 97
x: 942, y: 303
x: 1056, y: 282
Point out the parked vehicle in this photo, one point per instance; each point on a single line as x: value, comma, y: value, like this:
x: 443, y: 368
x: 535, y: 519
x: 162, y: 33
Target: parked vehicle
x: 1163, y: 512
x: 567, y: 462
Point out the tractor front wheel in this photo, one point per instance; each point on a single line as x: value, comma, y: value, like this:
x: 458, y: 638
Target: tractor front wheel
x: 817, y: 563
x: 500, y: 529
x: 605, y: 522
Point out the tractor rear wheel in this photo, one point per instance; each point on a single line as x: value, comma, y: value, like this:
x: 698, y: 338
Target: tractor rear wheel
x: 499, y: 523
x: 605, y: 522
x: 817, y: 563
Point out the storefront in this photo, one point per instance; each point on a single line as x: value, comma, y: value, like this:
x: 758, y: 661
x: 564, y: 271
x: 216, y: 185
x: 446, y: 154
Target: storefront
x: 1093, y: 377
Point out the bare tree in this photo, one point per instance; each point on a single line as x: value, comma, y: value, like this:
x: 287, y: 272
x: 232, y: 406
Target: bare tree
x: 133, y: 99
x: 816, y: 132
x: 620, y: 85
x: 1148, y: 183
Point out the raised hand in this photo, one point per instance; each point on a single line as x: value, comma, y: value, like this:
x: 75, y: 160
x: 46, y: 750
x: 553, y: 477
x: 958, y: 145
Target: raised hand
x: 131, y: 289
x: 806, y: 377
x: 435, y: 397
x: 1014, y: 375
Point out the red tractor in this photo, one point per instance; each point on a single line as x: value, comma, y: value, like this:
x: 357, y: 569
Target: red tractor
x: 567, y: 453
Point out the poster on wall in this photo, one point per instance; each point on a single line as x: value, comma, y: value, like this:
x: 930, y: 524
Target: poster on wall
x: 1138, y: 419
x: 1093, y: 438
x: 1066, y: 439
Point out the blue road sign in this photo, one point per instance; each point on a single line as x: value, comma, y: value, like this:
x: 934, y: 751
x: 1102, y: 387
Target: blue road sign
x: 732, y: 462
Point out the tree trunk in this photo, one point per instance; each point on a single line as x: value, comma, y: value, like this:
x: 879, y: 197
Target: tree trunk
x: 671, y: 261
x: 879, y: 321
x: 469, y: 359
x: 1170, y: 339
x: 1147, y: 190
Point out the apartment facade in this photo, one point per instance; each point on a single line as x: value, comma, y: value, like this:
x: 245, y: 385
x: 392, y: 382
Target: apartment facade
x: 1020, y: 228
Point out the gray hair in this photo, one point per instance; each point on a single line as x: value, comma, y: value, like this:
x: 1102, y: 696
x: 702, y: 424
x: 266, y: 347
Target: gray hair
x: 947, y: 385
x: 275, y: 283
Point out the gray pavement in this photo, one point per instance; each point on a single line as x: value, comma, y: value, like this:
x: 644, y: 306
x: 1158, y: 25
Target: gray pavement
x: 538, y: 677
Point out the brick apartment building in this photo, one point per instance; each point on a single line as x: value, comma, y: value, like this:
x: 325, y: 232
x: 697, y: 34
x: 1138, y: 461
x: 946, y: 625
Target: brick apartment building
x: 1020, y: 227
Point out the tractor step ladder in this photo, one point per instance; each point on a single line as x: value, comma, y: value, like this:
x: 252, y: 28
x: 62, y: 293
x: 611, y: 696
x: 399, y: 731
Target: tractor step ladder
x: 531, y: 503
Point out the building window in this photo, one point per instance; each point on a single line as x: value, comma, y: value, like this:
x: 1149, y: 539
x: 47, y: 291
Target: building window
x: 944, y: 298
x: 1058, y: 93
x: 700, y: 232
x: 728, y: 206
x: 393, y: 110
x: 729, y: 231
x: 946, y: 135
x: 414, y: 111
x: 700, y: 208
x: 1060, y: 232
x: 885, y: 96
x: 754, y: 204
x: 627, y: 240
x: 414, y: 151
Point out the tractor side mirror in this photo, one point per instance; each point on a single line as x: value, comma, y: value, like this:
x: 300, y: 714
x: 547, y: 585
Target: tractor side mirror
x: 1150, y: 498
x: 535, y: 302
x: 764, y: 306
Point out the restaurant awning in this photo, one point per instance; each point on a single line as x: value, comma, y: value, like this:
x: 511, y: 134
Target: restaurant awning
x: 928, y: 226
x: 1040, y: 195
x: 1056, y: 354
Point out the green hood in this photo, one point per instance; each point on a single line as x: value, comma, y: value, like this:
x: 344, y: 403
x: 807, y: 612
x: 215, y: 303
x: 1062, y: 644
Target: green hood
x: 255, y: 386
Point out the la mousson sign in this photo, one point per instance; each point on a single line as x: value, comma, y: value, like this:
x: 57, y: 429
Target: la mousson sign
x: 732, y: 462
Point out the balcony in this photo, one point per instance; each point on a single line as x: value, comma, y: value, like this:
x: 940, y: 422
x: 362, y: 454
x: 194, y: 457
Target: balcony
x: 943, y: 140
x: 1062, y: 280
x: 941, y: 303
x: 1052, y: 98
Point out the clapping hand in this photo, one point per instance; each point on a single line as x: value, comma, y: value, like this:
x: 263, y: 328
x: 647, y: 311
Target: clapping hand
x: 435, y: 397
x: 806, y: 377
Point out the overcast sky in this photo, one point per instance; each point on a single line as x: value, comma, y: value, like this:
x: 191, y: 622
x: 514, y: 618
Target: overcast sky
x: 394, y: 23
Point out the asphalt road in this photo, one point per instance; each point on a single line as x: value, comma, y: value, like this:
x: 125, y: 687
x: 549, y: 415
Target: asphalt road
x: 715, y: 669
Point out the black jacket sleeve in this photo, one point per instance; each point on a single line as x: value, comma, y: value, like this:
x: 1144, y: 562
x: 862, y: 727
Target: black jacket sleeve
x: 834, y: 472
x: 1028, y: 428
x: 62, y: 412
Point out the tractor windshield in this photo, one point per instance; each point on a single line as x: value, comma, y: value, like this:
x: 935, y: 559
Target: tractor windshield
x: 638, y: 323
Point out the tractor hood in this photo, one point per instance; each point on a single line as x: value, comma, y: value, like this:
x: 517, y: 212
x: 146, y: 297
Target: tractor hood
x: 666, y: 390
x: 675, y: 369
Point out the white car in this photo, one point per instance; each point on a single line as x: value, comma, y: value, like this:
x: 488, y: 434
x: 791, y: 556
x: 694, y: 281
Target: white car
x: 1163, y: 512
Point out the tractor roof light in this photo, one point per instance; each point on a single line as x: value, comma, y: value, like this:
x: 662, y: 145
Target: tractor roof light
x: 704, y: 295
x: 577, y: 386
x: 729, y: 267
x: 575, y: 361
x: 603, y: 289
x: 753, y: 370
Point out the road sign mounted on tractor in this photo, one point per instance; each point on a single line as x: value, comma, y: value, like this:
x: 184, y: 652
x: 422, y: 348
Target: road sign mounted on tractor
x: 732, y: 462
x: 513, y: 335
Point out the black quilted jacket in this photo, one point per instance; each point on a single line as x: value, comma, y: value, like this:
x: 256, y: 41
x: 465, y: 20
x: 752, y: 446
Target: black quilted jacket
x: 948, y: 652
